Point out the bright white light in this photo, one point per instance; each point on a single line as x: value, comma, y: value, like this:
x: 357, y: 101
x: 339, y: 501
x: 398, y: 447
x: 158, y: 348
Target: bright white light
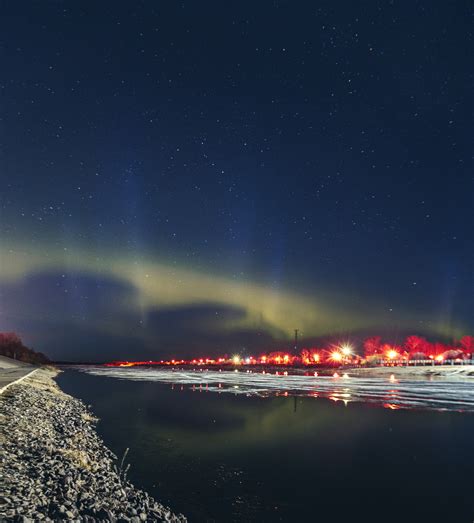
x: 347, y: 350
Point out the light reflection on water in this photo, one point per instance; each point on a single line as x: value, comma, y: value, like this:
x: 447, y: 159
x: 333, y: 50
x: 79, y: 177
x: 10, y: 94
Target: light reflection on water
x: 252, y: 455
x: 455, y: 395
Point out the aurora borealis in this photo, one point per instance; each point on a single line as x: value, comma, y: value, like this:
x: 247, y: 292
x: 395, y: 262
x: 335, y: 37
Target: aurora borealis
x: 189, y: 178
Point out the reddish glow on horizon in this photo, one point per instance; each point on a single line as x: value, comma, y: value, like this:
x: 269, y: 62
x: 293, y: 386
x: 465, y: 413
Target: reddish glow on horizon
x: 376, y: 352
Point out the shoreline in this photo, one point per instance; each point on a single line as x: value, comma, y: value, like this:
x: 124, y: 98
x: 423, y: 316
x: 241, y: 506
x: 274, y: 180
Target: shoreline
x: 56, y: 467
x: 465, y: 372
x: 455, y: 372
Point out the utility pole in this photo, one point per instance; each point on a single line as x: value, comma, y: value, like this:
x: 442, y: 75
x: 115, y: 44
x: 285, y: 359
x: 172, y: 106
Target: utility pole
x: 296, y: 343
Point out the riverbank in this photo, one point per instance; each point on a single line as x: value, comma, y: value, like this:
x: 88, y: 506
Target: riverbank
x: 54, y: 465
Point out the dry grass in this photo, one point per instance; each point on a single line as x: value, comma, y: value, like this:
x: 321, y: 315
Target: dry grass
x: 79, y: 457
x: 86, y: 416
x: 43, y: 379
x: 75, y: 453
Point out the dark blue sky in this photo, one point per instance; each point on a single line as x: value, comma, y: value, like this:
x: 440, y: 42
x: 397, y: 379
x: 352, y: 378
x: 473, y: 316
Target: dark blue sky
x: 312, y: 161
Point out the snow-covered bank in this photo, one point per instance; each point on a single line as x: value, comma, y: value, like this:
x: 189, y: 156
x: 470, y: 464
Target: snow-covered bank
x: 442, y: 371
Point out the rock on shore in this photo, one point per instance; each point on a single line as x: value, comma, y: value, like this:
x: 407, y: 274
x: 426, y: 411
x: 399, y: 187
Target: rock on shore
x: 54, y: 466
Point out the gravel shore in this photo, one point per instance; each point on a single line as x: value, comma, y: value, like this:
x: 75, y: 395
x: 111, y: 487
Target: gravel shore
x: 54, y: 466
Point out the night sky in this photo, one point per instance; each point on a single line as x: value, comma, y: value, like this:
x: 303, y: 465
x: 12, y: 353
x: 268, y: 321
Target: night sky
x: 194, y: 178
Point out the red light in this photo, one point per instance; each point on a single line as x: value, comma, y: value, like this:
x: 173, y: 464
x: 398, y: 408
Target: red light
x: 376, y: 352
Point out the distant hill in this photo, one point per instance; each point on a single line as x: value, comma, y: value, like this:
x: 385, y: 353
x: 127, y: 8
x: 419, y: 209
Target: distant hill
x: 11, y: 346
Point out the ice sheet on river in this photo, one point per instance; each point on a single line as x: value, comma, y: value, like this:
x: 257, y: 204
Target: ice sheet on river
x: 388, y: 392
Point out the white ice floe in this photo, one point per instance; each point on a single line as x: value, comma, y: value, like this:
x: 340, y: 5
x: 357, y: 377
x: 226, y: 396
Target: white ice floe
x: 408, y: 394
